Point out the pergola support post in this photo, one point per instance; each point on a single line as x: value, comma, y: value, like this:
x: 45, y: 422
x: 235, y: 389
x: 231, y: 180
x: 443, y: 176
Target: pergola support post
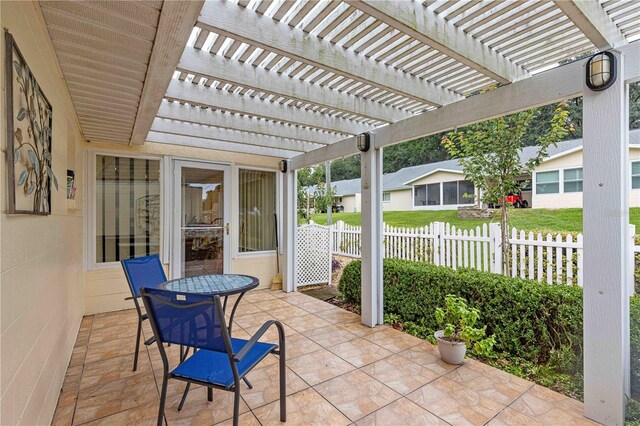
x: 371, y: 201
x: 290, y: 225
x: 606, y: 250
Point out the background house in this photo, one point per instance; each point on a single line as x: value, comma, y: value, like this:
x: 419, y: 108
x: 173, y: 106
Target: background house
x: 556, y: 183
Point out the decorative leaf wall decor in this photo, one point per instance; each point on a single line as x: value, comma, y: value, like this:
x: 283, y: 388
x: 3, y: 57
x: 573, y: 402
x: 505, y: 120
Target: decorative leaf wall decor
x: 29, y: 121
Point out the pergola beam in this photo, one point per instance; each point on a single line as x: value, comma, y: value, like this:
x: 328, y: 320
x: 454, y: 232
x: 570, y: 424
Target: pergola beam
x: 216, y: 67
x: 195, y: 142
x: 199, y: 95
x: 426, y: 26
x: 208, y: 132
x: 547, y: 87
x: 174, y: 27
x: 196, y: 115
x: 593, y: 21
x: 226, y: 18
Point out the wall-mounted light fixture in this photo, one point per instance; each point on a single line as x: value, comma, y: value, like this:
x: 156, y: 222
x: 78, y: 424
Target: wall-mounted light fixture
x: 601, y: 71
x: 364, y: 141
x: 284, y: 165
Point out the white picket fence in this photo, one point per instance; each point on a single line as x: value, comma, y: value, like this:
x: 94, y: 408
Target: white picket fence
x: 532, y: 256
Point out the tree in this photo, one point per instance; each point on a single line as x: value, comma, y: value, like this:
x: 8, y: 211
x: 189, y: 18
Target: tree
x: 490, y: 156
x: 323, y: 197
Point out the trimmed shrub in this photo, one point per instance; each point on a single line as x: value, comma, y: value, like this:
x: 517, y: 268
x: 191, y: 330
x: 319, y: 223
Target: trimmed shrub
x: 529, y: 320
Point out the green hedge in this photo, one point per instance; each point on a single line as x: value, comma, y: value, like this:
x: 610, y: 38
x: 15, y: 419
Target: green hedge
x: 529, y: 320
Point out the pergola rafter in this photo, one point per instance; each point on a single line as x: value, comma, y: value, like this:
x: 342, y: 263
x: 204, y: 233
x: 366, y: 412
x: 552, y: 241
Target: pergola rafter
x: 593, y: 21
x: 225, y: 18
x: 423, y: 24
x: 229, y: 71
x: 196, y: 94
x: 226, y: 120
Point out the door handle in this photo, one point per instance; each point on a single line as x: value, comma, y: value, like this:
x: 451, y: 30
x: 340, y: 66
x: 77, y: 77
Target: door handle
x: 227, y: 228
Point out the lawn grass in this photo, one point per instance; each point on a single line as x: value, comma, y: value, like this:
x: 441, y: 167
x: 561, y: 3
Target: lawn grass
x: 526, y: 219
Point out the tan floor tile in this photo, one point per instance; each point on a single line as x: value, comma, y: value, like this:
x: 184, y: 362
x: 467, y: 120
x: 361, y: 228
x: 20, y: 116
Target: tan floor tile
x: 101, y: 372
x: 256, y: 296
x: 400, y: 374
x: 510, y: 417
x: 455, y: 403
x: 114, y: 319
x: 490, y: 382
x: 401, y: 412
x: 284, y: 314
x: 266, y: 385
x: 393, y: 340
x: 280, y: 294
x: 359, y: 352
x: 252, y: 320
x: 338, y: 316
x: 246, y: 419
x: 356, y: 394
x: 272, y: 305
x: 426, y: 355
x: 111, y: 349
x: 306, y: 323
x: 303, y: 408
x: 319, y: 366
x: 119, y: 395
x: 329, y: 336
x: 125, y: 331
x: 198, y: 410
x: 550, y: 407
x: 63, y: 415
x: 78, y: 356
x: 244, y: 308
x: 361, y: 330
x: 298, y: 344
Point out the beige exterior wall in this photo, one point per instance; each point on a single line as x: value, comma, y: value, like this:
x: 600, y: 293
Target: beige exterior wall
x: 400, y: 201
x: 106, y: 288
x: 41, y: 292
x: 440, y: 176
x: 351, y: 203
x: 572, y: 199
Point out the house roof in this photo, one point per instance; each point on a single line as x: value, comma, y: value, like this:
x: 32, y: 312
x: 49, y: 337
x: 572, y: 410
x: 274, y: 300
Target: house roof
x: 403, y: 177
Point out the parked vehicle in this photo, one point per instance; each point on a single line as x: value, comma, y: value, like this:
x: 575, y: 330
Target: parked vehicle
x: 514, y: 200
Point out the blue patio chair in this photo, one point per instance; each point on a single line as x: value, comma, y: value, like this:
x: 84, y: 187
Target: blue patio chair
x: 197, y: 321
x: 142, y: 272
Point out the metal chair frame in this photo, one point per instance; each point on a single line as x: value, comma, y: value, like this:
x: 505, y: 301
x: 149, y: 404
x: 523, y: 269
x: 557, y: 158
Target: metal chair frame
x: 234, y: 358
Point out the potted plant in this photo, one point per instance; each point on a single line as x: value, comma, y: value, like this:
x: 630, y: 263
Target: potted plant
x: 458, y: 321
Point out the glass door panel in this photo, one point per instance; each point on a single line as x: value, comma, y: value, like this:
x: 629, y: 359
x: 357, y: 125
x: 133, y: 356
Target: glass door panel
x: 202, y: 224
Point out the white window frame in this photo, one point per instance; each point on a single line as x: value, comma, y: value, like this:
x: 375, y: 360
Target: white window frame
x: 235, y: 211
x: 632, y: 176
x: 386, y: 193
x: 564, y: 181
x: 560, y: 182
x: 90, y: 225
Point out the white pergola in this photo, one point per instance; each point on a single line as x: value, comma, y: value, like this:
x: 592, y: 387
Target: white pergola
x: 298, y: 79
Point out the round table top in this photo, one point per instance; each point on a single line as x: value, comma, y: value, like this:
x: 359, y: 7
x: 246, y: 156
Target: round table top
x: 220, y: 284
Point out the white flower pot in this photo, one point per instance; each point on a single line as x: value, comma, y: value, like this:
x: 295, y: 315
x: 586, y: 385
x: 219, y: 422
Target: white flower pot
x: 450, y: 352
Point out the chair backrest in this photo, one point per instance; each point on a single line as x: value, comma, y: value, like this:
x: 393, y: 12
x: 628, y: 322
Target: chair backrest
x: 187, y: 319
x: 143, y: 272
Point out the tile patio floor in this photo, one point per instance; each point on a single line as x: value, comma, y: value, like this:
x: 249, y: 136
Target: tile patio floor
x: 339, y: 373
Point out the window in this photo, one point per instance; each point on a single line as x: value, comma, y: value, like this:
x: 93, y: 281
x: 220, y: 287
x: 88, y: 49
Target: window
x: 635, y: 175
x: 419, y: 195
x: 433, y: 194
x: 548, y: 182
x: 465, y: 192
x: 573, y: 180
x: 257, y: 209
x: 386, y: 197
x: 127, y: 208
x: 449, y: 193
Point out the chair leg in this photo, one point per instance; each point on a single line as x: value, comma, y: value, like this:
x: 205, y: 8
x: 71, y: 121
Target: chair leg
x: 283, y: 385
x: 184, y: 396
x: 210, y: 394
x: 163, y: 397
x: 236, y: 405
x: 249, y: 385
x: 135, y: 356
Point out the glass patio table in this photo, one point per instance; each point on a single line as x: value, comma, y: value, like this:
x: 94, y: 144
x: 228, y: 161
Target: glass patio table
x: 223, y: 285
